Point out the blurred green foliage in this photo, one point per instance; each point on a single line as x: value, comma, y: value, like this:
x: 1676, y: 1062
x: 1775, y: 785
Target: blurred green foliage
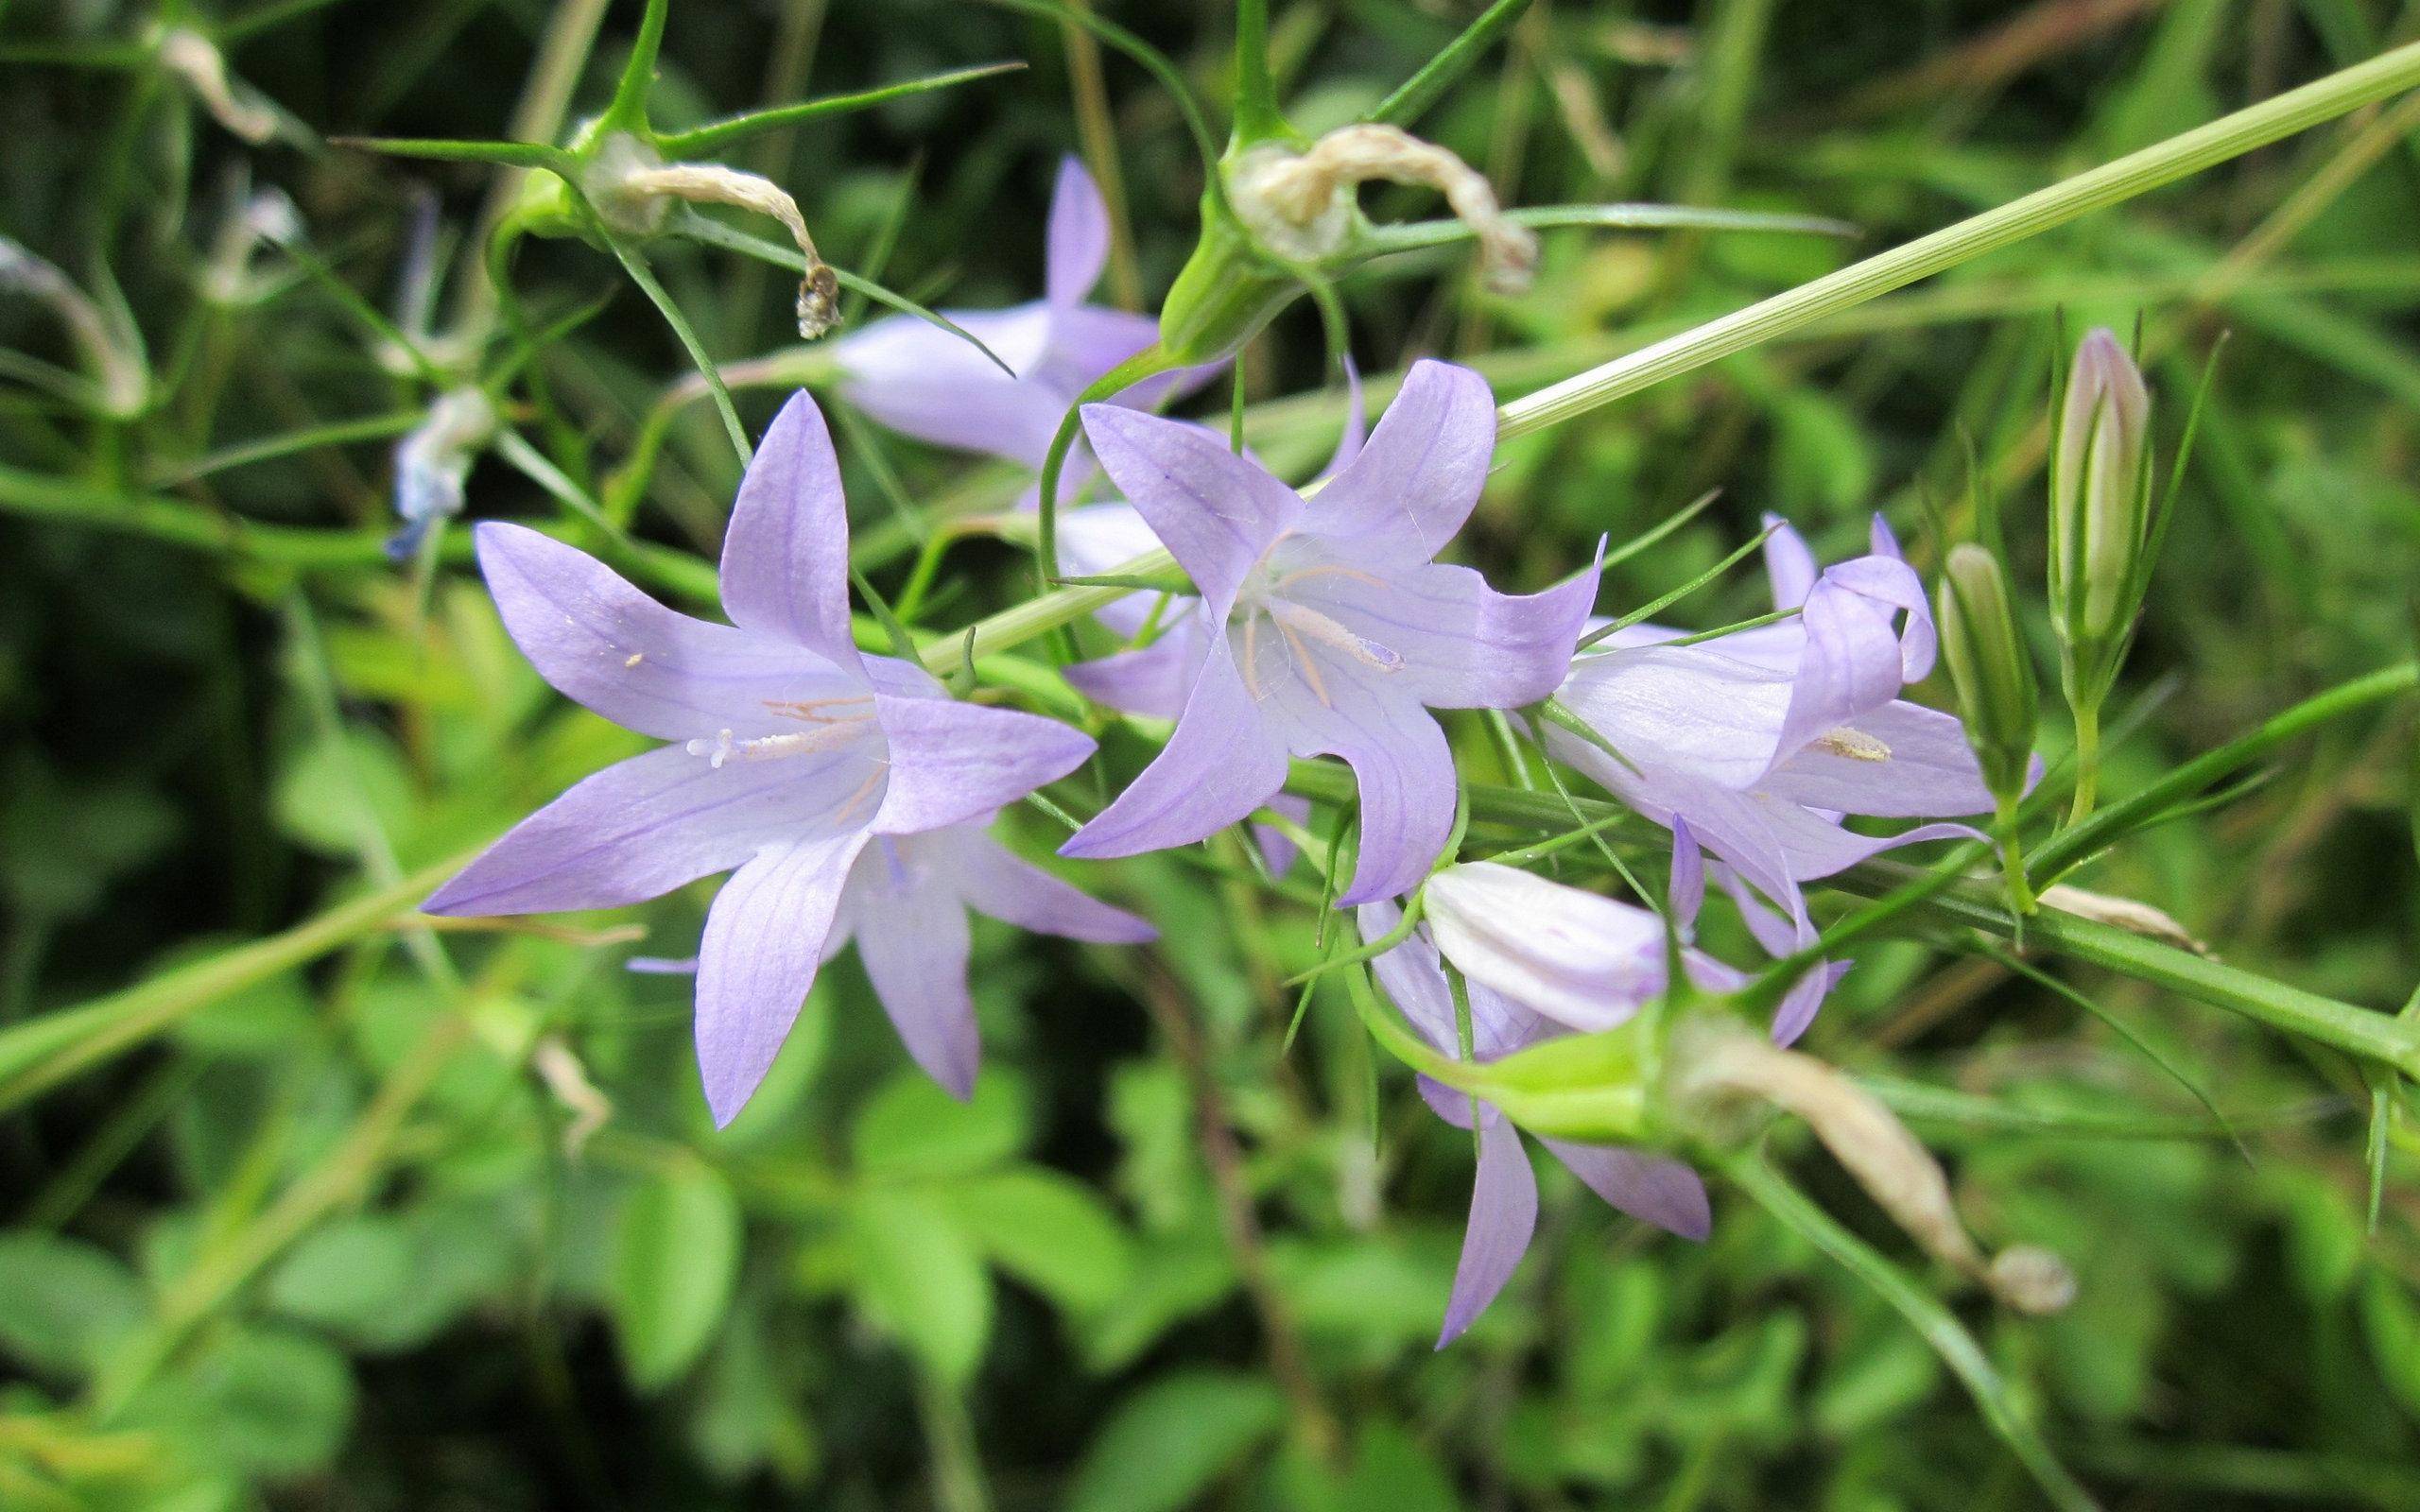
x: 385, y: 1217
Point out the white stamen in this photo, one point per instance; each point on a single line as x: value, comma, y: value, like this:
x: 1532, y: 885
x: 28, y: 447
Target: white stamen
x: 1326, y: 631
x: 634, y: 659
x: 1855, y: 744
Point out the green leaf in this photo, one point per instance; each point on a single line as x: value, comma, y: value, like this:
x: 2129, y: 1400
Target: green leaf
x: 675, y: 1264
x: 1049, y: 1233
x: 911, y: 1127
x: 921, y: 1277
x: 64, y: 1303
x: 347, y: 1276
x: 323, y: 790
x: 1166, y: 1445
x: 271, y: 1402
x: 717, y: 135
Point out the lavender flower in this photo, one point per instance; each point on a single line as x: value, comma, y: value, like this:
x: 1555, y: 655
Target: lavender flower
x: 1329, y: 629
x: 1760, y: 741
x: 925, y: 382
x: 1504, y: 1189
x: 790, y: 752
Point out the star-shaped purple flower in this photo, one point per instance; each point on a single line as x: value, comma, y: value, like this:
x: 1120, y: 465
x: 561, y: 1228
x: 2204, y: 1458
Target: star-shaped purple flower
x: 925, y: 382
x: 1328, y: 629
x: 1762, y: 739
x: 790, y: 752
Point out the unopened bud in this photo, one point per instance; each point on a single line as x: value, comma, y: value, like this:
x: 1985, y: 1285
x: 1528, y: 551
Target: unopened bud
x: 2101, y: 501
x: 1987, y: 666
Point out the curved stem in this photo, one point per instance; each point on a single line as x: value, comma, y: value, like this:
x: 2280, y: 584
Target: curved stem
x: 1149, y: 362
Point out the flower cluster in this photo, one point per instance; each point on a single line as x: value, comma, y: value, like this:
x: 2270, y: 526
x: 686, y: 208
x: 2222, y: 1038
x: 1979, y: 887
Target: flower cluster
x: 851, y: 797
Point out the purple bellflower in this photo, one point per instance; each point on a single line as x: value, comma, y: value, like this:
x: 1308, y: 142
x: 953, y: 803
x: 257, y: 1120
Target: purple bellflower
x: 1328, y: 629
x: 1535, y: 955
x: 790, y: 753
x: 1760, y: 741
x: 925, y: 382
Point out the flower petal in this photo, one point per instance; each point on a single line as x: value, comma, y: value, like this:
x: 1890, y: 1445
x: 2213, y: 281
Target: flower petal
x: 1401, y: 763
x: 915, y: 378
x: 763, y: 941
x: 1798, y: 1005
x: 953, y: 761
x: 1902, y: 761
x: 607, y: 645
x: 1078, y: 247
x: 785, y: 554
x: 1584, y: 961
x: 1648, y: 1186
x: 634, y: 831
x: 1414, y: 977
x: 1419, y: 476
x: 913, y: 944
x: 1504, y: 1213
x: 1223, y: 762
x: 1686, y: 709
x: 998, y: 883
x: 1789, y: 563
x: 1153, y: 680
x: 1216, y: 512
x: 1852, y: 665
x: 1463, y: 644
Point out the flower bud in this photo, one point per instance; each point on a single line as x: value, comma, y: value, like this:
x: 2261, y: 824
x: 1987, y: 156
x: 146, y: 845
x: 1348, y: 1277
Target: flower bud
x: 1586, y: 962
x: 1987, y: 666
x: 2099, y: 503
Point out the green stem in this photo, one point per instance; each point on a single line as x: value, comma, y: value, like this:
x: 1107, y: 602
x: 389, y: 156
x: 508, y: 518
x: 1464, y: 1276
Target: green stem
x: 2077, y: 843
x: 2012, y: 840
x: 2087, y: 762
x: 2137, y: 173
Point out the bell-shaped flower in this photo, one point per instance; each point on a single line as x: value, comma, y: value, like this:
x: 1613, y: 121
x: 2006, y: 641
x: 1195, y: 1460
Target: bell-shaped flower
x: 1504, y: 1189
x: 789, y: 751
x: 1329, y: 629
x: 1762, y: 739
x: 925, y: 382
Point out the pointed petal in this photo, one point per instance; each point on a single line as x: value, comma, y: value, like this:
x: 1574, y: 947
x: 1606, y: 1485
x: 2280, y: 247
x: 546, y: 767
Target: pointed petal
x: 1223, y: 762
x: 1789, y: 563
x: 1356, y: 422
x: 1463, y: 644
x: 1798, y: 1005
x: 607, y: 645
x: 785, y: 553
x: 1687, y: 890
x: 1079, y: 244
x: 953, y: 761
x: 1154, y: 680
x: 1276, y: 850
x: 1216, y: 512
x: 1818, y: 846
x: 914, y: 947
x: 915, y: 378
x: 1504, y: 1213
x: 1902, y: 761
x: 1647, y: 1186
x: 1000, y: 885
x: 763, y: 941
x: 1401, y: 764
x: 1852, y: 665
x: 1418, y: 477
x: 634, y: 831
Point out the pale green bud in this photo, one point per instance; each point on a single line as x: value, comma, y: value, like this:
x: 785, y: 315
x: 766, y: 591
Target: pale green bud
x: 2100, y: 508
x: 1988, y: 666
